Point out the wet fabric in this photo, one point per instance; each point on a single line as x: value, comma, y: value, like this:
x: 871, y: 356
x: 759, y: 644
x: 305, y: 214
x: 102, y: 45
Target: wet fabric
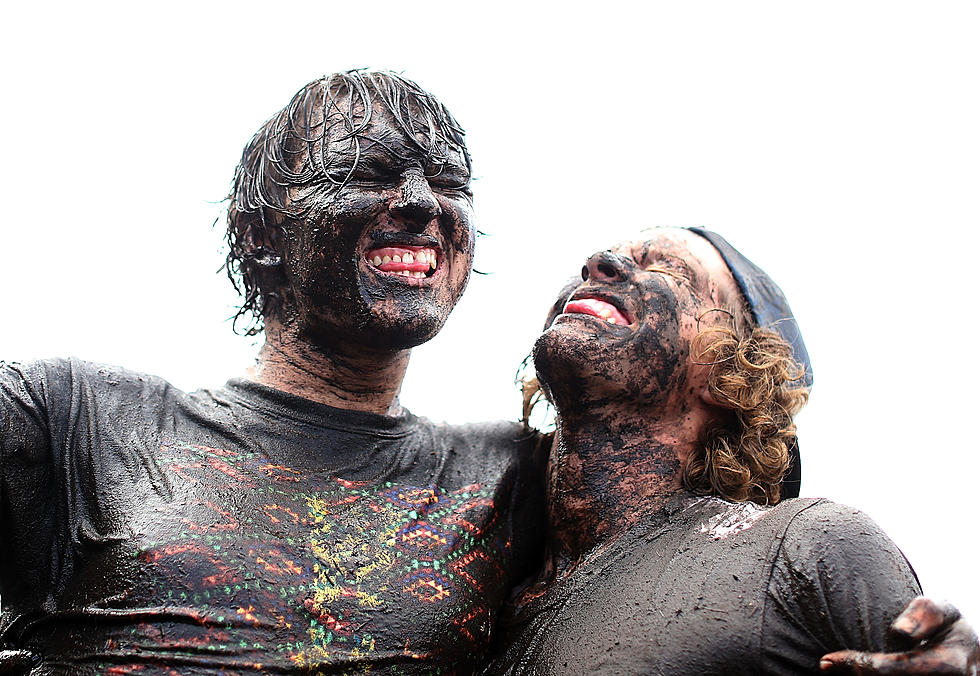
x: 706, y: 586
x: 242, y: 529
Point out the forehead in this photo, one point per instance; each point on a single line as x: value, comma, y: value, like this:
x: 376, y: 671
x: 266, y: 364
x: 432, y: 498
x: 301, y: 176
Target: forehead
x: 352, y: 131
x: 676, y: 246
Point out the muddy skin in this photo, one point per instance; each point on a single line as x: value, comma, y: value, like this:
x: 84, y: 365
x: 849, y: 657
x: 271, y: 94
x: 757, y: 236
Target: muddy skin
x: 628, y: 396
x: 643, y: 577
x: 345, y: 330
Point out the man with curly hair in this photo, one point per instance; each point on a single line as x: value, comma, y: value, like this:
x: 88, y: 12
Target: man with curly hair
x: 675, y: 368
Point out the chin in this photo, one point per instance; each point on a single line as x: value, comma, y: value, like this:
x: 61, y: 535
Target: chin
x: 397, y: 326
x: 578, y: 369
x: 564, y: 369
x: 400, y: 336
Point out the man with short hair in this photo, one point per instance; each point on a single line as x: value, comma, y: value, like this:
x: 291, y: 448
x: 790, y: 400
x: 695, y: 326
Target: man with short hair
x: 297, y: 520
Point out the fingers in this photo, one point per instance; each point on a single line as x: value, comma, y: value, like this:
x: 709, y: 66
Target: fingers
x: 946, y: 645
x: 912, y: 663
x: 923, y: 618
x: 847, y: 662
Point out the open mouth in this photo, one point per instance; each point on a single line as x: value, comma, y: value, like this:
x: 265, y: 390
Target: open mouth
x: 598, y: 308
x: 405, y: 261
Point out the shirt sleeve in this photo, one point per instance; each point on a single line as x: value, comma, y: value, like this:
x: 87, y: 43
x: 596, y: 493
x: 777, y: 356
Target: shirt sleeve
x: 23, y: 414
x: 27, y: 494
x: 837, y: 583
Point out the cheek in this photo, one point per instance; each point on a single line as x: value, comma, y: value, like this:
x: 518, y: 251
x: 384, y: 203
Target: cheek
x: 457, y: 224
x: 656, y: 361
x: 353, y: 207
x: 659, y: 361
x: 460, y: 240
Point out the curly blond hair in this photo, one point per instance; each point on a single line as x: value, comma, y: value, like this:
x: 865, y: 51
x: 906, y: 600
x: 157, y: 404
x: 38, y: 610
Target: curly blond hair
x: 746, y: 456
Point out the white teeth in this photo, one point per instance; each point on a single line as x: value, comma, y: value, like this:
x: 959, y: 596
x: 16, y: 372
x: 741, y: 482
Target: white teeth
x: 426, y: 257
x: 611, y: 320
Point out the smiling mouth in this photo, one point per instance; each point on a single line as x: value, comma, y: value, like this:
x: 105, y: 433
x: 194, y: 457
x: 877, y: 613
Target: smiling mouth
x: 597, y: 308
x: 405, y: 261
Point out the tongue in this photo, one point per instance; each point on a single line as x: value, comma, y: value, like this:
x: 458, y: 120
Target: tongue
x: 400, y: 251
x: 597, y: 308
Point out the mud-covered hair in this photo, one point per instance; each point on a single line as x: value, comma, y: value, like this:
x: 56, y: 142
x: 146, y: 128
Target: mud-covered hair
x: 746, y: 455
x: 287, y: 173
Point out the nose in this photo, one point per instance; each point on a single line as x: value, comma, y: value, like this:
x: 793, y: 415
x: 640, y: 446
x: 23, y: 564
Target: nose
x: 604, y: 266
x: 416, y: 204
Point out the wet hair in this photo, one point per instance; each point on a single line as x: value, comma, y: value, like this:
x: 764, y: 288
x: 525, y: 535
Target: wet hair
x: 746, y: 455
x: 287, y: 173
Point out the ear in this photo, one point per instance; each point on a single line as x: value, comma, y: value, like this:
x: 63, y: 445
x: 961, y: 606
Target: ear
x: 709, y: 399
x: 258, y: 239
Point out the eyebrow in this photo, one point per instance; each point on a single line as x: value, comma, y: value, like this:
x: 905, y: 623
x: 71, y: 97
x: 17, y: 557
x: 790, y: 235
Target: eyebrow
x: 388, y: 148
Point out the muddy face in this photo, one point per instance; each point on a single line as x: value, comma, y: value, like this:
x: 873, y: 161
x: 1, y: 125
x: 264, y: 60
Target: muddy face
x: 624, y: 333
x: 615, y: 362
x: 386, y: 258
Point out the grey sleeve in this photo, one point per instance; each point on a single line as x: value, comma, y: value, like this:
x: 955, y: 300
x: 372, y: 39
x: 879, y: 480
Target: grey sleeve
x: 27, y: 494
x: 25, y: 436
x: 23, y: 412
x: 68, y: 451
x: 837, y: 582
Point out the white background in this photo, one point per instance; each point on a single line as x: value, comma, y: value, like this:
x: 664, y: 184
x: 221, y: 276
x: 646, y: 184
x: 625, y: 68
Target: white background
x: 835, y: 143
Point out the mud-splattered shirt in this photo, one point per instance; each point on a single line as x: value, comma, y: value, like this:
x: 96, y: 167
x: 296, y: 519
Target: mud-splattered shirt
x: 241, y: 529
x: 706, y: 586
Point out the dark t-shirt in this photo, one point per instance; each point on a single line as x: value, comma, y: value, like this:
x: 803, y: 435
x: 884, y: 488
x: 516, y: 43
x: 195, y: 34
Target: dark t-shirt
x: 145, y: 530
x: 706, y: 586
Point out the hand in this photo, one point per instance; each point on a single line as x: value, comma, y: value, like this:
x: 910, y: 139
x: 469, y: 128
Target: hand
x: 943, y: 643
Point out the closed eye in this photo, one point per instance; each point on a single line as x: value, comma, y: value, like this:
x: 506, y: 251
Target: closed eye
x: 662, y: 269
x: 448, y: 177
x: 362, y: 172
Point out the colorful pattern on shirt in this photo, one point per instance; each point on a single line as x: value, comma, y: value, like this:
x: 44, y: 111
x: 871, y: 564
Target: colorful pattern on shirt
x: 339, y: 572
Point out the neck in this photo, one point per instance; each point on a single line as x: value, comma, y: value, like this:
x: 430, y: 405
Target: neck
x: 348, y: 377
x: 608, y: 469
